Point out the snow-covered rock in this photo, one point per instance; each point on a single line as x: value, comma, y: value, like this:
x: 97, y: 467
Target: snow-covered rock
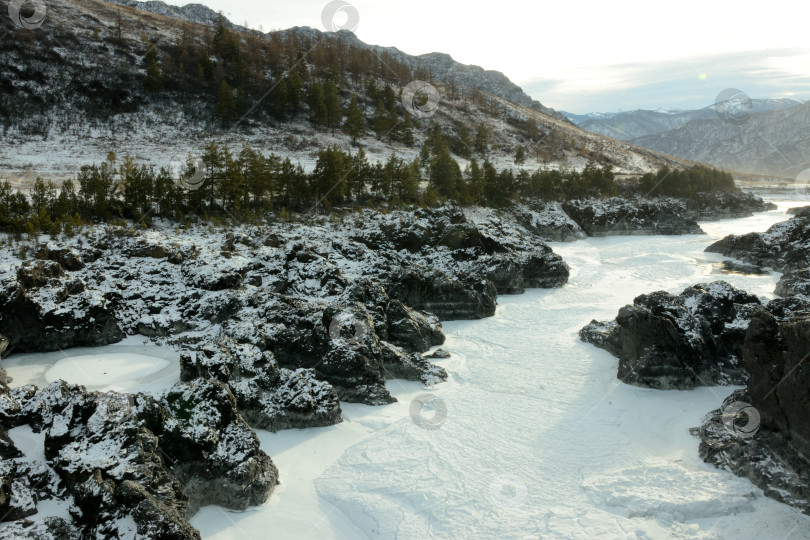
x: 785, y: 246
x: 666, y: 341
x: 126, y: 465
x: 631, y: 216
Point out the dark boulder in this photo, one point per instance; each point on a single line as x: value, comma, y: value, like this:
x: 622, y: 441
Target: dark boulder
x: 784, y: 247
x: 47, y: 311
x: 410, y: 366
x: 794, y: 282
x: 411, y: 329
x: 763, y: 432
x: 693, y: 339
x: 66, y: 258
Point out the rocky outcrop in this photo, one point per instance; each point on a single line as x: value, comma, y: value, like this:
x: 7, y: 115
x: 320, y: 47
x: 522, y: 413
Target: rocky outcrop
x: 763, y: 432
x: 449, y: 297
x: 47, y: 309
x: 678, y: 342
x: 268, y: 396
x: 784, y: 247
x: 129, y: 465
x: 725, y: 205
x: 636, y: 215
x: 794, y: 282
x: 632, y: 216
x: 548, y: 220
x: 800, y: 211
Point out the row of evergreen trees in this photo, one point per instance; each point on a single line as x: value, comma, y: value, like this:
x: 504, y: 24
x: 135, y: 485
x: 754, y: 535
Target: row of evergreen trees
x: 686, y: 182
x: 250, y: 183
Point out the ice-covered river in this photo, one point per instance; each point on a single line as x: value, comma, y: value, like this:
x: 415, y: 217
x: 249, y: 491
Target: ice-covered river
x: 533, y: 436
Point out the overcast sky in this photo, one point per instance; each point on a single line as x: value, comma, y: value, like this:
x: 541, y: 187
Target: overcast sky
x: 585, y: 56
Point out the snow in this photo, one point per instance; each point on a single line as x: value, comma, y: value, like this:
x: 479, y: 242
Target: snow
x: 31, y: 444
x: 540, y: 440
x: 128, y: 366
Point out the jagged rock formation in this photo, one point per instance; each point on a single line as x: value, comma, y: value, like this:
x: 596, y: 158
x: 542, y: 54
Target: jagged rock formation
x: 679, y: 342
x: 43, y: 308
x: 130, y: 465
x: 726, y: 205
x: 619, y: 216
x: 637, y: 215
x: 785, y: 246
x: 763, y: 432
x: 277, y: 323
x: 345, y: 301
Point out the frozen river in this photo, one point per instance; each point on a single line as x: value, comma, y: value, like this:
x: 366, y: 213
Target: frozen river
x: 532, y: 437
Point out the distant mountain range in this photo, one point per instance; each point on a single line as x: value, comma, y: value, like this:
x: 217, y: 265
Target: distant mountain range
x: 630, y: 125
x: 774, y: 140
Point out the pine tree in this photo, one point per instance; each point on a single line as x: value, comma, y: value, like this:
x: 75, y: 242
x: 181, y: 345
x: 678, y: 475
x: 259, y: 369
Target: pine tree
x: 329, y: 176
x: 482, y: 140
x: 226, y: 106
x: 154, y: 78
x: 445, y: 175
x: 355, y: 125
x: 520, y: 156
x: 383, y: 123
x: 334, y: 110
x: 318, y: 113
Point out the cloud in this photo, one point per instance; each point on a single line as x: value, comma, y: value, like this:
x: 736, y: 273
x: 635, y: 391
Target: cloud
x: 686, y: 83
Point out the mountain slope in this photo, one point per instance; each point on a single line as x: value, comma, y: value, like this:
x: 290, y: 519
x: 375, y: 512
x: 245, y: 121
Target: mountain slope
x: 76, y: 89
x: 769, y: 143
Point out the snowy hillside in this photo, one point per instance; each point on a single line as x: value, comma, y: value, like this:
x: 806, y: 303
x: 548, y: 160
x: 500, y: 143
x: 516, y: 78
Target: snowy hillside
x: 69, y: 109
